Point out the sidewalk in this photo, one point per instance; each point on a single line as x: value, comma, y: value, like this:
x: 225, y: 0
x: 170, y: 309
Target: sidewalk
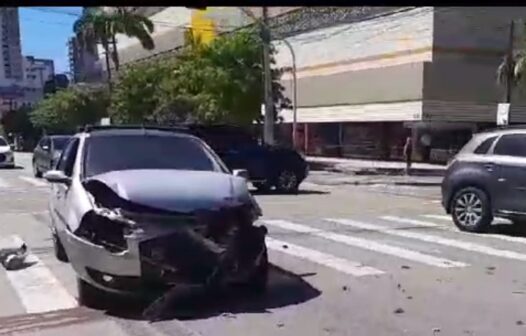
x: 336, y: 171
x: 370, y: 167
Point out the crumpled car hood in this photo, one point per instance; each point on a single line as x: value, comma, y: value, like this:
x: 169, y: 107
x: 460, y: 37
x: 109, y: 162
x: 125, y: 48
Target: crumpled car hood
x: 176, y: 190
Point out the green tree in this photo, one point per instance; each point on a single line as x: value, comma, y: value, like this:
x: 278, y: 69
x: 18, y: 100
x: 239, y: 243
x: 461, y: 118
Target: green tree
x: 98, y: 26
x: 70, y: 108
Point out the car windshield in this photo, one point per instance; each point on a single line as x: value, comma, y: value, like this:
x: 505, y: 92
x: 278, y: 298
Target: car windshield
x: 110, y: 153
x: 60, y: 142
x: 3, y: 142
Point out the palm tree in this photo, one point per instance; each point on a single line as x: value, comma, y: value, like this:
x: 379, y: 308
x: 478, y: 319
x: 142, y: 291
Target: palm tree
x: 512, y: 70
x: 97, y: 26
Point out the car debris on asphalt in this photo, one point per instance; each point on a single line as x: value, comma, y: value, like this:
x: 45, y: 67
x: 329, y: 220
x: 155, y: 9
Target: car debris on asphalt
x: 13, y: 252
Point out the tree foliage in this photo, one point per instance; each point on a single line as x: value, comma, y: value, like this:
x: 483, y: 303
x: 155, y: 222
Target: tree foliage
x: 219, y: 82
x: 69, y: 108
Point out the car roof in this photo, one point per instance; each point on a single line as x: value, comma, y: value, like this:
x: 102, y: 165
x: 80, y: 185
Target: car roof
x: 138, y: 132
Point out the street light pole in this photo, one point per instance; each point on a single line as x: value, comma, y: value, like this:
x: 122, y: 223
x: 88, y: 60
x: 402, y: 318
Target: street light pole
x: 294, y: 93
x: 268, y: 127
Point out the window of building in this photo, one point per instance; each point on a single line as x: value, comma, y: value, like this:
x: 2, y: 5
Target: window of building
x: 511, y: 145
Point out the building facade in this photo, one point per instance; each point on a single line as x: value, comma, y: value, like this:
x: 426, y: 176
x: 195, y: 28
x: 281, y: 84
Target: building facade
x: 428, y: 72
x: 11, y: 66
x: 84, y: 65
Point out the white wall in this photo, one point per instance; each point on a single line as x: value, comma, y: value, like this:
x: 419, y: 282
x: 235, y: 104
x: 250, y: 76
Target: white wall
x: 362, y: 45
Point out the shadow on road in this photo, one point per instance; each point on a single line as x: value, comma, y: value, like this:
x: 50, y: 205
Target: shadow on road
x: 508, y: 230
x: 285, y: 288
x: 300, y: 192
x: 13, y: 168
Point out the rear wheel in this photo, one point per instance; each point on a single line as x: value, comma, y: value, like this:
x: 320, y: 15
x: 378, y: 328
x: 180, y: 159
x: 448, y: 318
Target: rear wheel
x: 471, y: 210
x: 287, y: 182
x: 89, y: 295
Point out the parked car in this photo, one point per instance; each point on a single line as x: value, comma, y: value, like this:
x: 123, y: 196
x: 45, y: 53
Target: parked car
x: 47, y: 152
x: 7, y: 158
x: 139, y: 210
x: 487, y: 178
x: 268, y: 166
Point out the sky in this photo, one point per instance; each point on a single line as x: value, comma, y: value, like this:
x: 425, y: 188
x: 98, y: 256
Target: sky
x: 44, y: 32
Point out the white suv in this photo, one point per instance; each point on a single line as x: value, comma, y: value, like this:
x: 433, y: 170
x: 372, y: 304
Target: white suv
x: 7, y: 158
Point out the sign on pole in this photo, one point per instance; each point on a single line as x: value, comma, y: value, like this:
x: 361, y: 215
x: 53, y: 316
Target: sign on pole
x: 503, y: 113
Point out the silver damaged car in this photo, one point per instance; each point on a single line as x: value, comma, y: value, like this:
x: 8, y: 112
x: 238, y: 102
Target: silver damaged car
x: 138, y: 210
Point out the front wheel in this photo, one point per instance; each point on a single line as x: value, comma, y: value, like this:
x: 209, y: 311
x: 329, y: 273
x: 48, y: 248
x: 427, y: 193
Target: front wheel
x: 471, y: 210
x: 89, y: 295
x: 259, y: 279
x: 36, y: 172
x: 287, y: 182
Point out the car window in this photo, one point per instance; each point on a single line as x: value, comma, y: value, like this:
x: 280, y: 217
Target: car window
x: 485, y: 145
x: 512, y: 145
x: 59, y: 143
x: 67, y: 160
x: 110, y: 153
x: 3, y: 142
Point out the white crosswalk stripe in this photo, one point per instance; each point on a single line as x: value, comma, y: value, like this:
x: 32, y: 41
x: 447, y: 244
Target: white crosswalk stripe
x: 520, y: 240
x: 368, y: 244
x: 442, y: 241
x: 339, y: 264
x: 34, y: 181
x: 3, y: 183
x: 38, y: 289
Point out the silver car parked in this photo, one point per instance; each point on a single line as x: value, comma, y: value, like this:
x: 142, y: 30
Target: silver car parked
x: 138, y: 210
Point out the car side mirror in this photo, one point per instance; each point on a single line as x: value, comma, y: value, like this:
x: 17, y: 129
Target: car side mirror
x: 240, y: 173
x: 57, y: 176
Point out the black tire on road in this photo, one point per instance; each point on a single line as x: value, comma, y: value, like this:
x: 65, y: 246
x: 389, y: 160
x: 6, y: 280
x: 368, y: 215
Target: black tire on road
x: 287, y: 182
x: 60, y: 252
x: 471, y: 210
x: 36, y: 172
x: 261, y: 186
x: 89, y: 295
x: 258, y: 282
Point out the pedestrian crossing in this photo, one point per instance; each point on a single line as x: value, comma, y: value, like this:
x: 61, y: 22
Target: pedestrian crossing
x: 22, y: 182
x: 429, y: 240
x: 355, y: 246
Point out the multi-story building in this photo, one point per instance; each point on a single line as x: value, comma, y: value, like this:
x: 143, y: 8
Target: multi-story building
x: 11, y: 65
x: 37, y: 72
x: 382, y: 74
x: 170, y: 24
x: 84, y: 65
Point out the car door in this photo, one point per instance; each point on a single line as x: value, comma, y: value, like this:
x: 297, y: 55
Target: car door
x: 60, y: 191
x: 509, y: 161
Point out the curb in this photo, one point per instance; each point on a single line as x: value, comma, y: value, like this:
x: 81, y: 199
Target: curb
x: 395, y: 183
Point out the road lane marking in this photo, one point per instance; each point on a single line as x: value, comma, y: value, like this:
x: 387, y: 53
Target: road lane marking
x: 367, y: 244
x: 33, y: 181
x: 38, y: 289
x: 463, y: 245
x: 520, y: 240
x: 339, y: 264
x: 3, y: 183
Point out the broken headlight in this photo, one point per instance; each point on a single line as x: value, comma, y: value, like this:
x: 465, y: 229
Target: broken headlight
x: 105, y: 228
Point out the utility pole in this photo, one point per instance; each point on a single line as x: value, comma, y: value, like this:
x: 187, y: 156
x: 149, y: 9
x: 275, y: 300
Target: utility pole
x: 509, y: 61
x: 268, y: 133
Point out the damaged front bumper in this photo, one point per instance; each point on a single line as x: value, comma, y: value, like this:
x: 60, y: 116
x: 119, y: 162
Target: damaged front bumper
x: 127, y: 252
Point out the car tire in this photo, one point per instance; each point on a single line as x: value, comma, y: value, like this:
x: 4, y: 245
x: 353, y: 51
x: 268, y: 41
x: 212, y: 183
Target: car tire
x: 89, y: 295
x: 36, y: 172
x: 471, y: 210
x: 258, y: 281
x: 261, y: 186
x: 287, y: 182
x: 60, y: 252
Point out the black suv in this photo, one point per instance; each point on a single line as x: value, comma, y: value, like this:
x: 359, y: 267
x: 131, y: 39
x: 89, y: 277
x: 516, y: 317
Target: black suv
x: 268, y: 166
x: 487, y: 178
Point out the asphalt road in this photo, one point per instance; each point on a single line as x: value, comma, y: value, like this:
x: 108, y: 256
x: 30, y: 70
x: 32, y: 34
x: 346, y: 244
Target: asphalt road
x: 347, y: 261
